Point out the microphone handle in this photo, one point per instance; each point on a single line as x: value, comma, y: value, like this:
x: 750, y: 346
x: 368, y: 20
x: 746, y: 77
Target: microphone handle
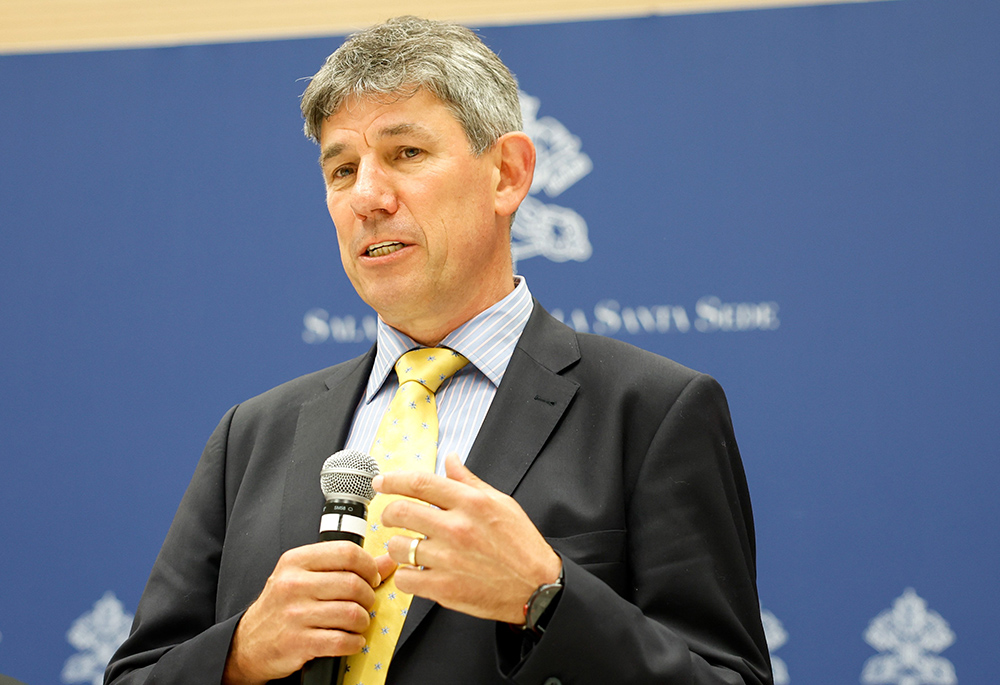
x: 340, y: 520
x: 322, y: 671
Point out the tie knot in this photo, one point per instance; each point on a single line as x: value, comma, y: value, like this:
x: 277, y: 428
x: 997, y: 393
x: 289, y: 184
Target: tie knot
x: 429, y: 366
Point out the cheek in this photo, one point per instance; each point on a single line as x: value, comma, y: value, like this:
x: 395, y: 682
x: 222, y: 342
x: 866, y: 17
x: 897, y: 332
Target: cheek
x: 341, y: 217
x: 344, y: 246
x: 334, y: 208
x: 346, y: 252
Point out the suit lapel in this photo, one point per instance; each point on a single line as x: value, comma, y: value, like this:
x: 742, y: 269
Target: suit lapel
x: 529, y: 403
x: 321, y: 430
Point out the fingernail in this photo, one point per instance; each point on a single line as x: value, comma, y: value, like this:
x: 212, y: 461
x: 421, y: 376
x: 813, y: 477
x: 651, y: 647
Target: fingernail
x: 377, y: 482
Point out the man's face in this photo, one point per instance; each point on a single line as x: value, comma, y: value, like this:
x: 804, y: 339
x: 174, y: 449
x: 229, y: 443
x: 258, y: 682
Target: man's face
x: 415, y: 210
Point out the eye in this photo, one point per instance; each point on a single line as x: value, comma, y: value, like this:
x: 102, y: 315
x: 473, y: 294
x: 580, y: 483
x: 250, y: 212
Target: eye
x: 341, y: 172
x: 410, y: 152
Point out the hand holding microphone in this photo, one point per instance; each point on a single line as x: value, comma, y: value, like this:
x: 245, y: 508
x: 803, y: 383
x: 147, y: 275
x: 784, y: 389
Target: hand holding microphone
x: 317, y: 599
x: 346, y: 481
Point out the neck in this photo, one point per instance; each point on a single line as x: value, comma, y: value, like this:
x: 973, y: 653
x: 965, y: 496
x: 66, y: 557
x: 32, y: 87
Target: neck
x: 431, y: 331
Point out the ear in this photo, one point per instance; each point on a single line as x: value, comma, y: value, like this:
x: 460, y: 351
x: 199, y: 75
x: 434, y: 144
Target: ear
x: 516, y: 155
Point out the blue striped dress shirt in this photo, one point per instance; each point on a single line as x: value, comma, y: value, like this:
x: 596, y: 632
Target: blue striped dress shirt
x: 486, y: 340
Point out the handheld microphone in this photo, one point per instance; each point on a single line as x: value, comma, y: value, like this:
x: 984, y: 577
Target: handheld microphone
x: 346, y: 482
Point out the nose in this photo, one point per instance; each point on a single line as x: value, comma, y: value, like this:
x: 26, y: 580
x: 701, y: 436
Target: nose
x: 372, y: 192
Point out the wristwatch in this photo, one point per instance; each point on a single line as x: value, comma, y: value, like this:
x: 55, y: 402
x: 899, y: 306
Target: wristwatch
x: 541, y: 604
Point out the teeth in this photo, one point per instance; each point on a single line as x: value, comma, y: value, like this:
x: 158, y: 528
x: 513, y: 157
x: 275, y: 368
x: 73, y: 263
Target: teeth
x: 382, y: 249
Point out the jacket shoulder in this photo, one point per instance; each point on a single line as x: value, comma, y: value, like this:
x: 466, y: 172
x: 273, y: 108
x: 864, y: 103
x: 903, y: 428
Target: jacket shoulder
x: 288, y: 397
x: 628, y: 359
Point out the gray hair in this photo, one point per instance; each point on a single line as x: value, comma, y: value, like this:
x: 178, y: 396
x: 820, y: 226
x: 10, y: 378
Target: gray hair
x: 405, y: 54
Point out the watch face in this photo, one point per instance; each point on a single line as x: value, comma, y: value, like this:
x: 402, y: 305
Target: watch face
x: 540, y: 602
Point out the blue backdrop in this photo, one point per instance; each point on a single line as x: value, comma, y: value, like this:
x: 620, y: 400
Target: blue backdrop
x: 802, y: 202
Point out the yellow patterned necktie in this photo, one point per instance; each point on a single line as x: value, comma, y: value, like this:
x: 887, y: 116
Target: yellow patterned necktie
x: 406, y: 439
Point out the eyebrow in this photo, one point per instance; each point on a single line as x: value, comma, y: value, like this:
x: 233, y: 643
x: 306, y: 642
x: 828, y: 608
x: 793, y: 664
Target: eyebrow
x: 389, y: 132
x: 331, y: 151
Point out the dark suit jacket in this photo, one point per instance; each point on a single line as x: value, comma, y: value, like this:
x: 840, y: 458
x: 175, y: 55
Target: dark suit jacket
x: 625, y: 461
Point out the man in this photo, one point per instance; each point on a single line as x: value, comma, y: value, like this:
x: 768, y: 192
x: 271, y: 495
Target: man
x: 589, y: 519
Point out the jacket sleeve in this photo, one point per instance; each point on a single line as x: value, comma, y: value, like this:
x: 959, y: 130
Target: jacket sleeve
x: 176, y: 637
x: 689, y: 612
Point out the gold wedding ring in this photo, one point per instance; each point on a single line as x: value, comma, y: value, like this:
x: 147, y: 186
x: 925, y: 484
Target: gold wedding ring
x: 411, y: 556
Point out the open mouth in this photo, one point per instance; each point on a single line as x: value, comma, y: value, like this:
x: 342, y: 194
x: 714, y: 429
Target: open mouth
x: 382, y: 249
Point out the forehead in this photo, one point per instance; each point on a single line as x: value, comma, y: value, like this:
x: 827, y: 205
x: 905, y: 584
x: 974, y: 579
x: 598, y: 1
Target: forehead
x: 374, y: 117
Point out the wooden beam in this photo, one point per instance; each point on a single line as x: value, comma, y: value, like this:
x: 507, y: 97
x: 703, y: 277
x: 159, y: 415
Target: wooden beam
x: 59, y: 25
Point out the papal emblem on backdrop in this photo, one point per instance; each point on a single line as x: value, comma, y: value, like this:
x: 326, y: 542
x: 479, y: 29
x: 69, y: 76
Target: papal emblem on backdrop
x: 909, y: 637
x: 546, y: 229
x: 96, y: 635
x: 776, y: 636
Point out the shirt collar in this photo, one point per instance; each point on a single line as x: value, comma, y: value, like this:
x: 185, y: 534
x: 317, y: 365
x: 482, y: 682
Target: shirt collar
x: 487, y: 340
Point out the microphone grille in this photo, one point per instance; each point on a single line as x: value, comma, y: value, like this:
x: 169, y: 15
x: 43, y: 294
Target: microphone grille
x: 348, y: 473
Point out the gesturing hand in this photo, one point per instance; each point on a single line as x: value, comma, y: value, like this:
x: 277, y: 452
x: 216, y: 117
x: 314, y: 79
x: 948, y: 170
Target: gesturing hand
x: 482, y: 554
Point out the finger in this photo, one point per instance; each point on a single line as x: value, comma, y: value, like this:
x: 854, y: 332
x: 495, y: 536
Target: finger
x: 414, y: 516
x: 400, y: 546
x: 469, y: 594
x: 440, y: 492
x: 334, y: 555
x: 335, y: 586
x: 320, y: 642
x: 337, y: 555
x: 386, y: 566
x: 419, y: 582
x: 339, y: 615
x: 450, y: 591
